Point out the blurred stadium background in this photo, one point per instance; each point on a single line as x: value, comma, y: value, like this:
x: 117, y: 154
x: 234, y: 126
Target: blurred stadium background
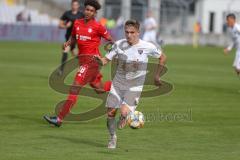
x: 175, y: 18
x: 206, y: 88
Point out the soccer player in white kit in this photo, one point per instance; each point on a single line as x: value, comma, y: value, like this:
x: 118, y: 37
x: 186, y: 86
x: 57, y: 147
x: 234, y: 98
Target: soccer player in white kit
x: 131, y: 55
x: 150, y: 29
x: 235, y: 33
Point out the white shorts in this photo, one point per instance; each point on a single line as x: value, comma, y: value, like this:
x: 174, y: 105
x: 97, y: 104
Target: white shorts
x: 118, y: 97
x: 236, y: 62
x: 150, y: 36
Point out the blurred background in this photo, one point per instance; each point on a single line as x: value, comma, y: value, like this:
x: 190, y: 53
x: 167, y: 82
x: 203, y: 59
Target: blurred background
x: 178, y: 20
x: 206, y: 87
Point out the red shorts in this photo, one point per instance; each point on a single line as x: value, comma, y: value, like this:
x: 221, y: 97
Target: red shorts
x: 89, y: 73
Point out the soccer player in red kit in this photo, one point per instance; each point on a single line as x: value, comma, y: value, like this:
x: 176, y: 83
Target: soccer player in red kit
x: 87, y: 32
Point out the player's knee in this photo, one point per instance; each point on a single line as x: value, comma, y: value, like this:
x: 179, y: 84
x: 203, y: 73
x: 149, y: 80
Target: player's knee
x: 125, y: 110
x: 111, y: 112
x: 72, y: 98
x: 75, y: 90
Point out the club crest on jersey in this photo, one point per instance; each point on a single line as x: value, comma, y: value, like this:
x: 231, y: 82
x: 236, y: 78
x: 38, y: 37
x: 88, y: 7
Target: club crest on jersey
x: 89, y: 30
x: 140, y: 51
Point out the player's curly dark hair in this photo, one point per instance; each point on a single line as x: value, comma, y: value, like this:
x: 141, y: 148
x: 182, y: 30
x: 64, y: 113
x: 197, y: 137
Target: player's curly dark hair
x: 93, y: 3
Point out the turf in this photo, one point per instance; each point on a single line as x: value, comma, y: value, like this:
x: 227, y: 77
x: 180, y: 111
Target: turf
x: 198, y: 120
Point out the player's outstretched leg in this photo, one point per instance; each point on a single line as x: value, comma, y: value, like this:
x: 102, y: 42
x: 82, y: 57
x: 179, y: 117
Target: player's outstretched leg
x: 111, y: 125
x: 68, y: 104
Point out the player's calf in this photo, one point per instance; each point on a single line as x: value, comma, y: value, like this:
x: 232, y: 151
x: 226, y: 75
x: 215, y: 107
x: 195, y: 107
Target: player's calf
x: 111, y: 113
x: 111, y: 125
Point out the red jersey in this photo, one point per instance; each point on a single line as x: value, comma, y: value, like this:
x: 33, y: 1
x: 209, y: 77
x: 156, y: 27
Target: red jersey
x: 88, y: 36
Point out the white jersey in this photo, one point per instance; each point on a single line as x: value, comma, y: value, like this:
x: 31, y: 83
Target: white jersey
x: 132, y: 60
x: 128, y: 81
x: 235, y: 33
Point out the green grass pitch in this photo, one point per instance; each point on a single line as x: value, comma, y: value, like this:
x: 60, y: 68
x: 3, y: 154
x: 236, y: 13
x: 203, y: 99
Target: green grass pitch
x: 205, y: 88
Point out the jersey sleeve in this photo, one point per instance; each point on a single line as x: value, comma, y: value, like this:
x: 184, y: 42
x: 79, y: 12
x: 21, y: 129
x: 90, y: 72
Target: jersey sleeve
x: 64, y: 16
x: 103, y: 32
x: 112, y: 53
x: 154, y: 51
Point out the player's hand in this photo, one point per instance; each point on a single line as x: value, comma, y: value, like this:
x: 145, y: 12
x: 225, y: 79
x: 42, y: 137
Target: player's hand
x: 98, y: 59
x: 68, y: 24
x: 108, y: 46
x: 226, y: 51
x: 66, y: 46
x: 157, y: 81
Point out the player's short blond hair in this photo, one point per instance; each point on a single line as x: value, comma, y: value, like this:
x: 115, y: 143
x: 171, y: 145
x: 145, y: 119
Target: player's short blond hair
x: 134, y: 23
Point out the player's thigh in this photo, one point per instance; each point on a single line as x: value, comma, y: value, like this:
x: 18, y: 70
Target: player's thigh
x: 97, y: 81
x: 83, y: 75
x: 131, y: 99
x: 114, y: 98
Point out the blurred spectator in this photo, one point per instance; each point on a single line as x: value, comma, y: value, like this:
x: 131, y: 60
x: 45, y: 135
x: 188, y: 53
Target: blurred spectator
x: 111, y: 23
x: 119, y: 28
x: 150, y: 28
x: 120, y: 22
x: 103, y: 21
x: 23, y: 16
x: 196, y: 32
x: 66, y: 22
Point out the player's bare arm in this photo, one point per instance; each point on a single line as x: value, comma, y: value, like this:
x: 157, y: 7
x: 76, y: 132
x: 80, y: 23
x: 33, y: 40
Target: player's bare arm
x: 101, y: 60
x: 162, y: 61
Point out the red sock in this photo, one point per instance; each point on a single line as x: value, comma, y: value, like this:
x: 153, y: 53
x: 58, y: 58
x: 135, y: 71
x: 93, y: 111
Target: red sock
x: 107, y: 86
x: 69, y: 103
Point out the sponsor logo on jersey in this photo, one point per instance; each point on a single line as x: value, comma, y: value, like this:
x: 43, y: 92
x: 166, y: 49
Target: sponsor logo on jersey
x: 89, y: 30
x: 82, y: 38
x: 140, y: 51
